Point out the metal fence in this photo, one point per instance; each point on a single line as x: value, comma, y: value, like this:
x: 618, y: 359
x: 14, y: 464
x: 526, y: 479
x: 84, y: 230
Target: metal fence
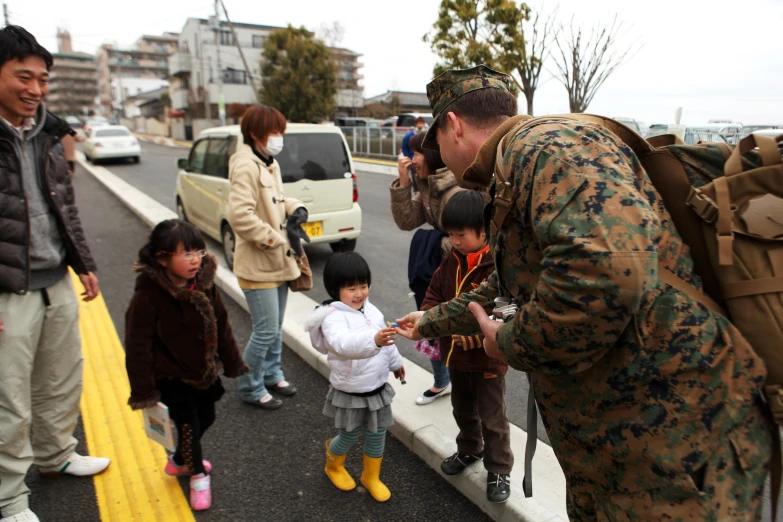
x: 375, y: 142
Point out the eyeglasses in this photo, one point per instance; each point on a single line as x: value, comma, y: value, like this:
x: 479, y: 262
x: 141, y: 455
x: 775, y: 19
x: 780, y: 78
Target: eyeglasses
x: 189, y: 255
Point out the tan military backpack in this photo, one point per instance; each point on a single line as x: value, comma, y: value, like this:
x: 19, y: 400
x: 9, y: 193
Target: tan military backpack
x: 727, y: 205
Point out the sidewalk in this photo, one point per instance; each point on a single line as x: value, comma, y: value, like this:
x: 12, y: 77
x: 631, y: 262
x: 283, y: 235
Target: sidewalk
x: 429, y: 432
x: 134, y: 487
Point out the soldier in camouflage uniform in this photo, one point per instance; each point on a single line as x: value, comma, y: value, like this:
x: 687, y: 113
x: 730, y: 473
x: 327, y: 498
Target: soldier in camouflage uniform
x: 651, y: 401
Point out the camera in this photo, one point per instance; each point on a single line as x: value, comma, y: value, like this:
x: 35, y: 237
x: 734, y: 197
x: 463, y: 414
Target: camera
x: 505, y: 309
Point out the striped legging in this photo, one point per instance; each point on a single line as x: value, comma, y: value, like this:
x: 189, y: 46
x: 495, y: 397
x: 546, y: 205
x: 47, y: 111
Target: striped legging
x: 374, y: 442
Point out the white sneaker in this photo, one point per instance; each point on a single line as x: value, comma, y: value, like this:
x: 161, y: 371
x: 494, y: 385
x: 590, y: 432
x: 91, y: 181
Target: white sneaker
x: 22, y: 516
x: 79, y: 466
x: 428, y: 396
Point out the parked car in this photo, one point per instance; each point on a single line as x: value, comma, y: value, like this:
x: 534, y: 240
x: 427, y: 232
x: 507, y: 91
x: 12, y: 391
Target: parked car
x: 356, y: 122
x: 636, y: 126
x: 95, y: 122
x: 317, y: 169
x: 407, y: 119
x: 772, y: 133
x: 704, y: 134
x: 111, y: 142
x: 753, y: 129
x: 657, y: 129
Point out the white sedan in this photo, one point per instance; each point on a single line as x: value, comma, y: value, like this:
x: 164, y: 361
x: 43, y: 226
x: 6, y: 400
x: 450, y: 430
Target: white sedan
x: 111, y: 142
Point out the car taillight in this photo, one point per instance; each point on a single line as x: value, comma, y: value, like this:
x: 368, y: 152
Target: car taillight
x: 355, y: 189
x: 98, y: 145
x: 134, y: 142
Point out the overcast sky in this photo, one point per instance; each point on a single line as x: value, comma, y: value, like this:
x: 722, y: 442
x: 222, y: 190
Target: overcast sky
x: 716, y: 59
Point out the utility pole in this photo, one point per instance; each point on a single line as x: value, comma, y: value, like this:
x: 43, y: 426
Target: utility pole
x: 241, y: 54
x: 218, y: 34
x: 204, y: 89
x: 5, y: 13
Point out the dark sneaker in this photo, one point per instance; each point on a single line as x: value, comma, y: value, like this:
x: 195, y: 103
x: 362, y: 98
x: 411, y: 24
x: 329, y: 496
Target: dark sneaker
x: 283, y: 388
x: 498, y: 487
x: 457, y: 463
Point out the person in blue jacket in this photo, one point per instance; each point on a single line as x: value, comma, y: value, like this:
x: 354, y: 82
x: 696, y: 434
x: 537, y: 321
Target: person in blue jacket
x: 418, y: 126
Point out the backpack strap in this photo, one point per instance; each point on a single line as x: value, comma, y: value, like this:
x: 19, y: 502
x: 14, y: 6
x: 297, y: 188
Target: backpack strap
x: 671, y: 279
x: 504, y: 192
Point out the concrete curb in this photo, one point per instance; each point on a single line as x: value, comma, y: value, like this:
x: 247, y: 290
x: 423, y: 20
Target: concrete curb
x: 162, y: 140
x: 429, y: 432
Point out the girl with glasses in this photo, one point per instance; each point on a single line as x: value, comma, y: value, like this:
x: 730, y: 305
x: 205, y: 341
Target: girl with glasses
x: 177, y: 339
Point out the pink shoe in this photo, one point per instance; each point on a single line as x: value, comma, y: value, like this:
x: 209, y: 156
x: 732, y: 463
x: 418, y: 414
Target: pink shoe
x: 200, y: 492
x: 181, y: 471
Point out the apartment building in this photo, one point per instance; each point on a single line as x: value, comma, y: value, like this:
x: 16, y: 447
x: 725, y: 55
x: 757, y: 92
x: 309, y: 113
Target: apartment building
x: 193, y: 68
x: 73, y: 86
x: 144, y: 66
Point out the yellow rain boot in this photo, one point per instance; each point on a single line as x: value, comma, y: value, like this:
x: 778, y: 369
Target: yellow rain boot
x: 371, y: 479
x: 335, y: 470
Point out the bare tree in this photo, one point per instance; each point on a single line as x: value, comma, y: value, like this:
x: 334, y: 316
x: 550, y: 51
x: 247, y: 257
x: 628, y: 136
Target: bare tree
x: 585, y: 61
x: 331, y: 34
x: 528, y: 60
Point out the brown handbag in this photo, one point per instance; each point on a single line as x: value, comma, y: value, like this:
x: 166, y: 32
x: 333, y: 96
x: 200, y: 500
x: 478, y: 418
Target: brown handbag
x: 304, y: 282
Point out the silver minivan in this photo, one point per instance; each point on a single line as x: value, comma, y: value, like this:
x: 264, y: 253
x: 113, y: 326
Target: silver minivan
x: 317, y: 169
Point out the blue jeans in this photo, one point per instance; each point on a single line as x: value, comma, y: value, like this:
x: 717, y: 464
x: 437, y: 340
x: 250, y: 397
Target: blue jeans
x: 265, y: 346
x: 441, y: 374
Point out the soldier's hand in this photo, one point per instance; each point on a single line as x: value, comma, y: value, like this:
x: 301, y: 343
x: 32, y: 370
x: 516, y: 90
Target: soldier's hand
x: 409, y: 326
x: 490, y: 329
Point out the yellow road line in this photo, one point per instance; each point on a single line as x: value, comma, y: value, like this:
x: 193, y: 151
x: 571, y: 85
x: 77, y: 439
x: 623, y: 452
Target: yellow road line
x: 134, y: 488
x: 379, y: 162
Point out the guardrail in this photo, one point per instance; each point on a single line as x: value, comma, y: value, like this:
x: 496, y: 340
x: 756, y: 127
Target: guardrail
x: 375, y: 142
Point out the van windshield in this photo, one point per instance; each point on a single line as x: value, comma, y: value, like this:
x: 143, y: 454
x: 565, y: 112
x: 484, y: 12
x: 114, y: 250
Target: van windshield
x: 316, y: 156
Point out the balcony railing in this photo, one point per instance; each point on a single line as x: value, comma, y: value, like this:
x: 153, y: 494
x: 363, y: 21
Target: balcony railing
x: 180, y: 63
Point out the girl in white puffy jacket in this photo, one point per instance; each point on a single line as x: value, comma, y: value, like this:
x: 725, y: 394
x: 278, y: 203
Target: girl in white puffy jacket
x: 361, y: 353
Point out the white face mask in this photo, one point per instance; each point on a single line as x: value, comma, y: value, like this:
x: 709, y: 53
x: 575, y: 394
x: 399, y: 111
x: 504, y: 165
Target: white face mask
x: 274, y: 145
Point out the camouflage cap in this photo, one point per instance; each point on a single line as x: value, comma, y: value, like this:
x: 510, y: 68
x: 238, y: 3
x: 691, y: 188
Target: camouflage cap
x: 455, y: 83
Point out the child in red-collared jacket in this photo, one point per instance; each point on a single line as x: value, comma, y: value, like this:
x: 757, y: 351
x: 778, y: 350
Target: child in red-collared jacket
x: 177, y: 338
x: 477, y: 380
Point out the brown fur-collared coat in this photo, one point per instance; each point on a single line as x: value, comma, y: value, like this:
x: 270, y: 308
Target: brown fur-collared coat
x: 177, y: 333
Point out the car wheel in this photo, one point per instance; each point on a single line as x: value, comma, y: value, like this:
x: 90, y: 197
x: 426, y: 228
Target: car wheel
x: 346, y: 245
x: 181, y: 215
x: 136, y: 159
x: 228, y: 245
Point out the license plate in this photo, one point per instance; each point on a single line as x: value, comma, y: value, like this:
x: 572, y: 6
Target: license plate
x: 314, y: 229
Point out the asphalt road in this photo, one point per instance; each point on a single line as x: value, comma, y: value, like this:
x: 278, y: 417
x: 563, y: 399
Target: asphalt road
x: 267, y: 465
x: 383, y: 245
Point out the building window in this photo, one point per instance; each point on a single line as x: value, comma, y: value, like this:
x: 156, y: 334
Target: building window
x: 258, y: 40
x: 226, y: 38
x: 234, y: 76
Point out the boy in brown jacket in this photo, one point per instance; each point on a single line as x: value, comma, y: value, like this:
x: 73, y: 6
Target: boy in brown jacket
x: 478, y: 381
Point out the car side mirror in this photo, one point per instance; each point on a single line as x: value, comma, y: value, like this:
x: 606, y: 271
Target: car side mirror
x: 182, y: 163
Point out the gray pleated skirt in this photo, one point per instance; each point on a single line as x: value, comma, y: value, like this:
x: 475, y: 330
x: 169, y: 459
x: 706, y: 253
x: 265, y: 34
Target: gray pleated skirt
x: 350, y: 412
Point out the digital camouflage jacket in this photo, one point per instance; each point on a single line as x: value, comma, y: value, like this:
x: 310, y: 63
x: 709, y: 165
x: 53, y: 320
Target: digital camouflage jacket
x: 637, y: 383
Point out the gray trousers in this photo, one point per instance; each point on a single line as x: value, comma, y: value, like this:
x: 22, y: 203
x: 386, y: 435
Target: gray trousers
x: 40, y: 386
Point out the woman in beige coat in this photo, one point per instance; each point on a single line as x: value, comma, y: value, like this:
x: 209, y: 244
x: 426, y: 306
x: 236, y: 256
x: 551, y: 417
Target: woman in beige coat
x: 436, y: 185
x: 267, y: 226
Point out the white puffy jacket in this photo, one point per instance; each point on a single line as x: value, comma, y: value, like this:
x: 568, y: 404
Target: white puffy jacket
x: 347, y: 337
